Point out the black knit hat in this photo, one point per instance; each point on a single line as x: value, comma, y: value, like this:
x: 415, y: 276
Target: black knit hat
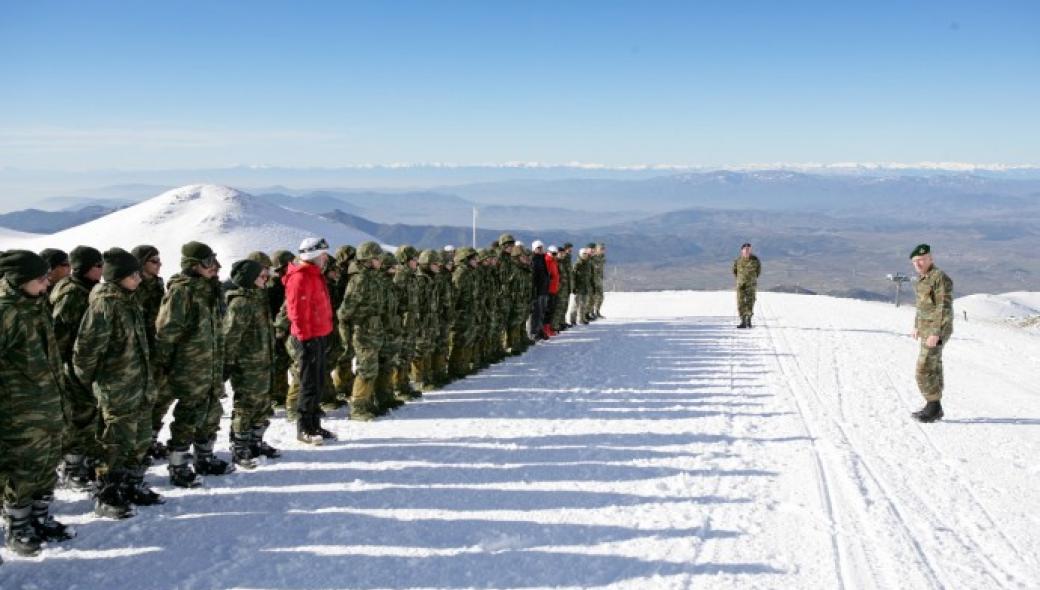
x: 244, y: 273
x: 921, y: 250
x: 84, y: 258
x: 21, y: 266
x: 54, y: 257
x: 119, y: 264
x: 144, y: 252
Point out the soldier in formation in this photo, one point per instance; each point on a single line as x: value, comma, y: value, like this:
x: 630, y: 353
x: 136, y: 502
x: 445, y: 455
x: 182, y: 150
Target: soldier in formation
x: 94, y: 361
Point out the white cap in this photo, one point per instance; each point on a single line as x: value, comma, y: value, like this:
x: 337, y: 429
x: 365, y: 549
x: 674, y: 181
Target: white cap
x: 537, y: 244
x: 554, y: 249
x: 313, y: 248
x: 449, y: 248
x: 518, y: 243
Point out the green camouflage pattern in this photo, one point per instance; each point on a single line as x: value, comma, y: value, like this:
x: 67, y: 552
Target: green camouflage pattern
x: 249, y: 356
x: 31, y: 386
x: 189, y: 355
x: 934, y: 317
x: 111, y: 356
x: 69, y: 301
x: 361, y: 317
x: 747, y: 270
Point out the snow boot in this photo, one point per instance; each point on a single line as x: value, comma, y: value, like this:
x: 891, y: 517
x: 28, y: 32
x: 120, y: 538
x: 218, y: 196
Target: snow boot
x: 241, y: 453
x: 74, y: 473
x: 259, y: 448
x: 362, y: 400
x: 931, y: 412
x: 138, y: 492
x: 181, y: 474
x: 305, y: 430
x: 48, y: 529
x: 157, y: 450
x: 207, y: 463
x: 110, y: 501
x: 20, y: 535
x: 748, y: 321
x: 743, y: 323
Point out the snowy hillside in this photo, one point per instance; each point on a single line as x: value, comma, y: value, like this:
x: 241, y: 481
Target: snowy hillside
x: 1012, y: 308
x: 233, y: 223
x: 660, y: 448
x: 10, y: 236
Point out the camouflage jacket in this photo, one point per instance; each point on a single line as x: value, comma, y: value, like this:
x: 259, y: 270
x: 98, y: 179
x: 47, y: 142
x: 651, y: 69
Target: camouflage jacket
x: 467, y: 298
x: 148, y: 297
x: 363, y: 305
x: 934, y: 305
x: 746, y: 270
x: 566, y: 275
x: 111, y: 355
x: 599, y: 267
x: 429, y: 299
x: 406, y: 288
x: 69, y: 301
x: 446, y: 301
x: 189, y: 339
x: 582, y: 276
x: 31, y: 383
x: 522, y: 293
x: 249, y: 340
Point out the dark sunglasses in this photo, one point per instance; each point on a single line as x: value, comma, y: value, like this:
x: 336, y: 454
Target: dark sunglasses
x: 210, y: 261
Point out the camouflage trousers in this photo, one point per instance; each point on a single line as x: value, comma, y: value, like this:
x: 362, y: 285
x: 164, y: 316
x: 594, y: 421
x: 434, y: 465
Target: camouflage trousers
x: 746, y: 300
x: 563, y: 300
x: 81, y: 417
x: 196, y: 417
x: 280, y: 387
x: 163, y: 400
x: 930, y: 372
x: 597, y: 299
x: 249, y: 408
x: 582, y: 307
x: 29, y: 460
x: 126, y: 429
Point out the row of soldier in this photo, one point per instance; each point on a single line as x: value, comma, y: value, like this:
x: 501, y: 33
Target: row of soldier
x: 90, y: 369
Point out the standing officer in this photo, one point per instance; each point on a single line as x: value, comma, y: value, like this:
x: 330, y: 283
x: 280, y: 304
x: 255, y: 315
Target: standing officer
x: 746, y: 269
x: 933, y: 326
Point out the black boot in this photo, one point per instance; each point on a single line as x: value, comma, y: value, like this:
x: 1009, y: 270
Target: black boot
x: 110, y: 501
x: 748, y: 321
x: 181, y: 474
x: 743, y: 322
x: 138, y: 492
x: 46, y: 527
x: 241, y: 453
x: 931, y: 412
x: 260, y: 448
x: 157, y: 450
x: 207, y: 463
x: 20, y: 535
x: 74, y: 473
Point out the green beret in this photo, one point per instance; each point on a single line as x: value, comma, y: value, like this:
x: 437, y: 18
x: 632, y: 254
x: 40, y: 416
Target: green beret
x: 54, y: 257
x: 84, y: 258
x: 119, y: 264
x: 244, y: 273
x: 144, y: 252
x: 21, y: 266
x: 921, y: 250
x: 260, y: 258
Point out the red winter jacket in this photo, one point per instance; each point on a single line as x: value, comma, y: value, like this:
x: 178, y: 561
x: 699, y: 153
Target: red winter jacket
x: 554, y: 273
x: 307, y: 301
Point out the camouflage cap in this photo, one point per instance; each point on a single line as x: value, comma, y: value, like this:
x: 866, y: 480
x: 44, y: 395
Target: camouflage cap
x: 280, y: 258
x: 405, y: 253
x: 21, y: 266
x: 196, y: 251
x: 428, y: 257
x: 119, y: 264
x: 368, y: 250
x: 506, y: 239
x: 463, y: 254
x: 920, y: 250
x: 389, y: 260
x: 259, y: 258
x: 344, y: 254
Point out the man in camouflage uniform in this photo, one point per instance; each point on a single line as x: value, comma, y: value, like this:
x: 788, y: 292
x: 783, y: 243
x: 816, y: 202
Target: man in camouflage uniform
x: 342, y: 368
x: 249, y: 359
x: 257, y: 445
x: 467, y: 298
x: 148, y: 297
x: 69, y: 303
x: 361, y: 317
x: 31, y: 382
x: 933, y: 326
x: 582, y: 284
x: 746, y: 269
x: 189, y: 351
x: 520, y: 300
x: 445, y: 317
x: 599, y: 268
x: 563, y: 264
x: 394, y: 336
x: 409, y: 299
x: 61, y: 267
x: 429, y: 330
x: 280, y: 260
x: 112, y: 357
x: 334, y: 281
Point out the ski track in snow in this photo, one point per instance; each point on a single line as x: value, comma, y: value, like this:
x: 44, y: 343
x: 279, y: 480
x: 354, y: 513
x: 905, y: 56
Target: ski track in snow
x: 664, y: 450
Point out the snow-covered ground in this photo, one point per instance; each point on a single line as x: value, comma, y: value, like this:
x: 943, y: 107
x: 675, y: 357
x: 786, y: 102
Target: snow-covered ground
x: 1011, y: 308
x: 231, y: 222
x: 660, y: 448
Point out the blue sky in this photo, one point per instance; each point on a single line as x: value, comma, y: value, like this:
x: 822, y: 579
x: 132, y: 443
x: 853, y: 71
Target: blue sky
x: 207, y: 84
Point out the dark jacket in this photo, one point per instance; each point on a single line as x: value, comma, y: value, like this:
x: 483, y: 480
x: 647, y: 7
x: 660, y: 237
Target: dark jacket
x: 540, y: 278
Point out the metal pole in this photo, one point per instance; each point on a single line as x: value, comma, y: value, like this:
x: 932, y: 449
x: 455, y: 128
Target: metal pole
x: 899, y: 285
x: 474, y: 227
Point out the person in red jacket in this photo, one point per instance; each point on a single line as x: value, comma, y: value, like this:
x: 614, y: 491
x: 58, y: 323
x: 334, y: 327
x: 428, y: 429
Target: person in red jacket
x: 309, y: 308
x: 554, y: 289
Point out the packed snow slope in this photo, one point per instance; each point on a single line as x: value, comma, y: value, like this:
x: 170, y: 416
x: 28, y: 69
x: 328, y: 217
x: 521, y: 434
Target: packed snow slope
x: 660, y: 448
x: 1010, y: 308
x: 231, y: 222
